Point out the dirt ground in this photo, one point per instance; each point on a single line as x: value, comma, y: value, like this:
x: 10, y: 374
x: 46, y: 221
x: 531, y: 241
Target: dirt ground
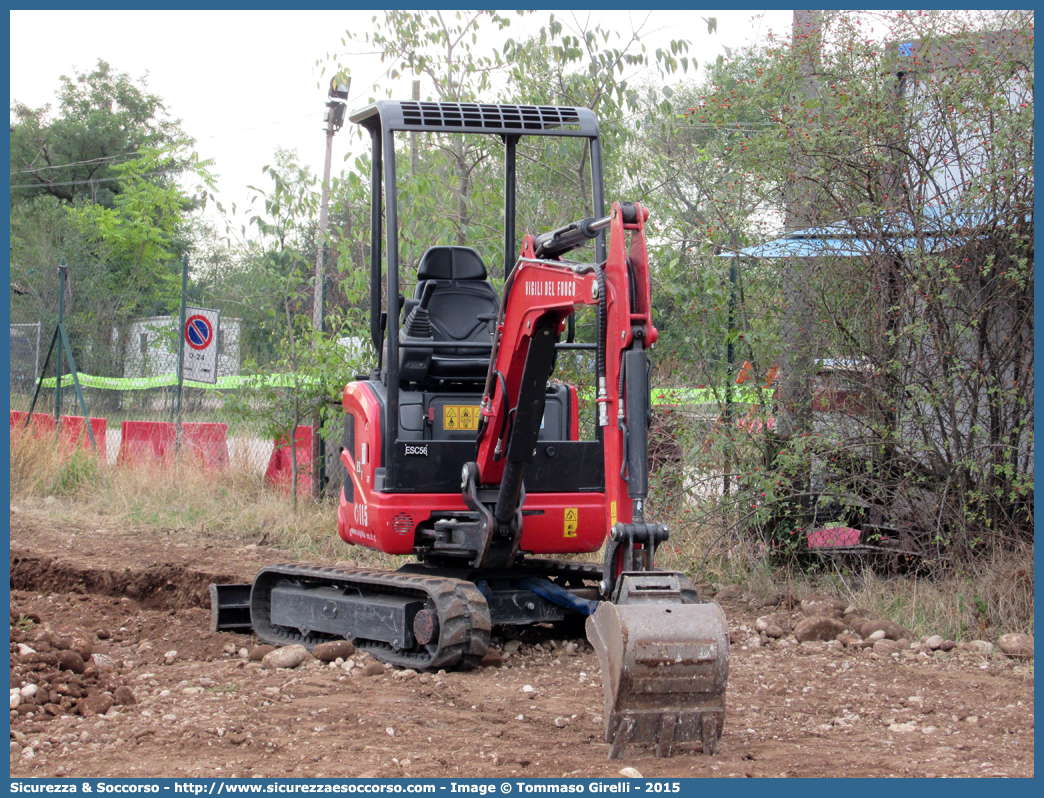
x: 137, y: 599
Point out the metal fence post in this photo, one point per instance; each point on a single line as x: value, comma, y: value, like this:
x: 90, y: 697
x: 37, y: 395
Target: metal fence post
x: 58, y: 363
x: 175, y: 408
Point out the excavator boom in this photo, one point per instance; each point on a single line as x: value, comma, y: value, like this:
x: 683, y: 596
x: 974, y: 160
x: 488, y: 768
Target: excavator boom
x: 663, y: 654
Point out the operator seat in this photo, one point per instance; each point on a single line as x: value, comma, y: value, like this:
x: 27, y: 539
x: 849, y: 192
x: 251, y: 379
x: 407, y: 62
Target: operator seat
x: 462, y: 307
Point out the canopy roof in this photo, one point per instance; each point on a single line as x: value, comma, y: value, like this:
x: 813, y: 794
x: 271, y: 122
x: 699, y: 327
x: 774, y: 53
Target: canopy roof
x: 504, y: 120
x: 899, y: 233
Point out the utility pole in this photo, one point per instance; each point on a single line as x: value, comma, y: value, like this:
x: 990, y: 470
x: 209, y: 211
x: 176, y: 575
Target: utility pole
x: 798, y: 364
x: 338, y: 94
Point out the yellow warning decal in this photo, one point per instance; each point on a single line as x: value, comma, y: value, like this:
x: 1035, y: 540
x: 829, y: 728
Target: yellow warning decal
x: 460, y: 417
x: 612, y: 514
x: 570, y: 523
x: 469, y: 416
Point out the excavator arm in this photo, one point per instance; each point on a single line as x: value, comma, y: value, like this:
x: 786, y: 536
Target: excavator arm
x: 664, y: 655
x: 539, y: 296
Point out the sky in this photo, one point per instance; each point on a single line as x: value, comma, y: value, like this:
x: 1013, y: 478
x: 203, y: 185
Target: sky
x: 245, y: 83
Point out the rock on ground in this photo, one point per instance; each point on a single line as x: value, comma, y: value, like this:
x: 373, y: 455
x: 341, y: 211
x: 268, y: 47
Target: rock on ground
x: 97, y: 704
x: 774, y: 632
x: 123, y: 696
x: 776, y: 619
x: 892, y: 630
x: 885, y: 647
x: 822, y: 606
x: 285, y: 657
x: 1016, y: 645
x: 373, y: 669
x: 258, y: 653
x: 818, y: 628
x: 69, y: 660
x: 328, y: 652
x: 492, y: 659
x: 983, y: 647
x: 849, y: 639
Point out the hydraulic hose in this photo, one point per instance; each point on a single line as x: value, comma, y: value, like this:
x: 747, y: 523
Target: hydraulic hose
x: 603, y: 331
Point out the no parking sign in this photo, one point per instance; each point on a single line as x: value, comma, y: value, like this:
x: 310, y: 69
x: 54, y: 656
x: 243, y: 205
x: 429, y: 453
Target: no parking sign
x: 201, y: 344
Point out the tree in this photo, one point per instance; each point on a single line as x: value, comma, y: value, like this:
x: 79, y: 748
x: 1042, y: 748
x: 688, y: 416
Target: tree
x: 578, y: 62
x: 455, y: 193
x: 303, y: 371
x: 124, y: 258
x: 99, y: 183
x: 104, y: 119
x: 708, y: 201
x: 919, y: 149
x: 442, y: 47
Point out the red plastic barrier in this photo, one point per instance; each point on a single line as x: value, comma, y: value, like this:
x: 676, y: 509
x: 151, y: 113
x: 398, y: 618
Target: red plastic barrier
x: 207, y: 440
x: 146, y: 441
x: 72, y: 431
x: 40, y: 425
x: 73, y: 434
x: 279, y: 471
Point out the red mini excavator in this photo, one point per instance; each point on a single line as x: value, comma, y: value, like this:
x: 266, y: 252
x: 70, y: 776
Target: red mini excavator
x: 461, y: 450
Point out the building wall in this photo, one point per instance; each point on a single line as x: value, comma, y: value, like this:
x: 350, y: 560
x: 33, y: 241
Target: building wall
x: 150, y: 347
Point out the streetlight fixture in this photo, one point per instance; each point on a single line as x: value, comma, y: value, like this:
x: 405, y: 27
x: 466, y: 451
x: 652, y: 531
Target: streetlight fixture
x: 338, y: 94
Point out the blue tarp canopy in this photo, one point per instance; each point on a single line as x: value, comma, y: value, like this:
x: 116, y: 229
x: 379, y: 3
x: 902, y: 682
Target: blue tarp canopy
x: 934, y: 233
x: 796, y: 245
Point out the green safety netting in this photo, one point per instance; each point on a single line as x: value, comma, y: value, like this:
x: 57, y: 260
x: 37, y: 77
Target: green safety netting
x: 741, y: 394
x: 171, y: 380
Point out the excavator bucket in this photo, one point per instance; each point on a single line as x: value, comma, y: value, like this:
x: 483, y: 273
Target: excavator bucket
x: 664, y: 665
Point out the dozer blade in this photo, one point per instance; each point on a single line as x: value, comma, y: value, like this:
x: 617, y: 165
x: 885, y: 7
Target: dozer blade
x: 665, y: 665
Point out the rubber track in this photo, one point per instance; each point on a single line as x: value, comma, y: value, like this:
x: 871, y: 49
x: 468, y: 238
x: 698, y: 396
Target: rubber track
x: 464, y: 625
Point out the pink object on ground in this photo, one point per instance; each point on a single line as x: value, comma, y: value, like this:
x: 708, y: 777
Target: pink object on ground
x: 833, y: 537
